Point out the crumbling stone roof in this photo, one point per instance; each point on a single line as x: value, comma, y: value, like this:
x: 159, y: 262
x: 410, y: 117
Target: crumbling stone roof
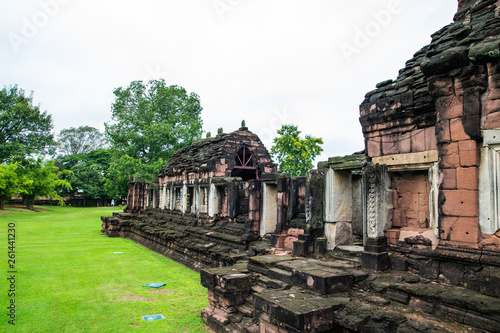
x: 204, y: 155
x: 407, y: 101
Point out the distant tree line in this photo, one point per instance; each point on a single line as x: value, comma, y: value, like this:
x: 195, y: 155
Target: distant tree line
x: 150, y: 121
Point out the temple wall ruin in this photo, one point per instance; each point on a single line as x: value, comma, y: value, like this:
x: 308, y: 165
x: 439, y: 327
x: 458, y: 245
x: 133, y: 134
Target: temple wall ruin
x: 431, y: 127
x: 401, y: 237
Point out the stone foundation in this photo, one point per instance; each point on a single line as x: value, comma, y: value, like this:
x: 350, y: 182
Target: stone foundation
x: 285, y: 294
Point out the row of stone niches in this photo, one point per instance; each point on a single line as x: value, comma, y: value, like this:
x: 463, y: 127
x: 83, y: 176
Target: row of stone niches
x: 189, y: 197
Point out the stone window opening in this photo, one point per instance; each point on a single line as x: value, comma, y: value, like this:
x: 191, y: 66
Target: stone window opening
x: 190, y: 202
x: 217, y: 201
x: 203, y: 200
x: 245, y: 166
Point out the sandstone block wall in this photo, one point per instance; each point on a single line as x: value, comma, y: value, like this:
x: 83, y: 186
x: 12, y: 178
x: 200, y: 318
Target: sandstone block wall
x: 442, y: 101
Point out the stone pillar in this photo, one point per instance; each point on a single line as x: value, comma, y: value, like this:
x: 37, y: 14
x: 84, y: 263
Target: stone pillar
x: 184, y: 198
x: 489, y: 182
x: 253, y: 226
x: 196, y: 200
x: 315, y: 197
x: 377, y: 217
x: 172, y: 197
x: 338, y: 208
x: 164, y: 196
x: 213, y: 201
x: 233, y: 200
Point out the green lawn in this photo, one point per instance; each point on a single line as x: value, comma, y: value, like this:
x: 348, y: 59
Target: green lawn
x: 68, y: 280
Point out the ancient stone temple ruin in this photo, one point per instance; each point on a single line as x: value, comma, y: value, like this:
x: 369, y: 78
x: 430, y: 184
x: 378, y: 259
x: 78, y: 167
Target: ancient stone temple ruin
x: 402, y: 237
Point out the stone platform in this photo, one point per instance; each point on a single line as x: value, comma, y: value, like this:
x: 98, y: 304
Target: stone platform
x: 279, y: 293
x: 184, y: 239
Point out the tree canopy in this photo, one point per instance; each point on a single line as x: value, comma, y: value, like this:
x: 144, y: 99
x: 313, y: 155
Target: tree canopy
x: 151, y: 121
x: 88, y: 173
x: 294, y: 154
x: 24, y: 129
x: 10, y: 182
x: 83, y: 139
x: 44, y: 181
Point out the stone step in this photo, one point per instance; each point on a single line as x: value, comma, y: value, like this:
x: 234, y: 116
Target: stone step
x: 262, y: 264
x: 246, y: 309
x: 458, y: 304
x: 246, y: 326
x: 309, y: 274
x: 313, y: 275
x: 258, y: 289
x: 270, y: 283
x: 260, y: 247
x: 295, y: 310
x: 280, y: 274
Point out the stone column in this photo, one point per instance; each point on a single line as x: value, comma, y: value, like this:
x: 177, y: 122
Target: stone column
x: 164, y: 196
x: 377, y: 217
x: 196, y: 200
x: 213, y: 201
x: 184, y: 198
x: 172, y: 197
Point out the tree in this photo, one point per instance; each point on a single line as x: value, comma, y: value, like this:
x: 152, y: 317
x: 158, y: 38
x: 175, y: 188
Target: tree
x: 24, y: 130
x: 294, y: 154
x: 149, y: 123
x: 88, y: 172
x: 44, y: 181
x: 152, y: 121
x: 79, y: 140
x: 10, y: 182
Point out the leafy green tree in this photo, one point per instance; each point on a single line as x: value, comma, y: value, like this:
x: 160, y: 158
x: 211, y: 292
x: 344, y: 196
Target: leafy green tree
x: 24, y: 129
x: 88, y: 172
x: 45, y: 181
x: 10, y: 182
x: 294, y: 154
x: 151, y: 121
x: 101, y: 157
x: 84, y: 139
x: 120, y: 170
x: 87, y: 180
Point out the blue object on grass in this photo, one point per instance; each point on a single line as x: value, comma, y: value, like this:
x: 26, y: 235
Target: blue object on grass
x: 154, y: 285
x: 153, y: 317
x: 116, y: 252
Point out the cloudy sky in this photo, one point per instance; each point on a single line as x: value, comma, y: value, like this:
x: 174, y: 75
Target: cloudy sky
x: 270, y: 62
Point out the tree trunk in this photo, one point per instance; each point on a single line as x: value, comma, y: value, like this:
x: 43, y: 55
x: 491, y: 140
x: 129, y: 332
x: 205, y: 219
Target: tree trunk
x: 29, y: 201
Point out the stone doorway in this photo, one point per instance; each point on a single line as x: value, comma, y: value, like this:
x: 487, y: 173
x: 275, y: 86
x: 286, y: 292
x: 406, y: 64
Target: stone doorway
x: 269, y: 209
x: 410, y: 199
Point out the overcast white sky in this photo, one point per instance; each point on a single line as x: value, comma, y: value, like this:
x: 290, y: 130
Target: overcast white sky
x: 306, y: 62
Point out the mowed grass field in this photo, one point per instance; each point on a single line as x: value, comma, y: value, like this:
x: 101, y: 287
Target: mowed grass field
x: 67, y: 278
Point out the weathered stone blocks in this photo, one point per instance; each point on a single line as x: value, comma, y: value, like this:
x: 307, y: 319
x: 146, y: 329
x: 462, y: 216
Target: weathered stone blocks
x: 296, y: 311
